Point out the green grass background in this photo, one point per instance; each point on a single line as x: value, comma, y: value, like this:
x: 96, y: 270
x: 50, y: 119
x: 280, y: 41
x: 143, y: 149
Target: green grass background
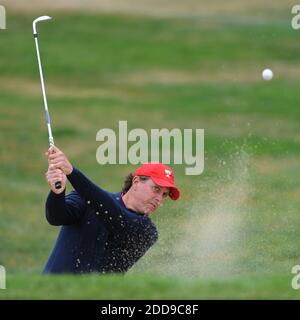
x: 236, y: 232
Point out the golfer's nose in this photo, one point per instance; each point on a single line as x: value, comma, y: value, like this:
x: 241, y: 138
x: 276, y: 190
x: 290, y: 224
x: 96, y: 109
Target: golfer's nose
x: 159, y: 198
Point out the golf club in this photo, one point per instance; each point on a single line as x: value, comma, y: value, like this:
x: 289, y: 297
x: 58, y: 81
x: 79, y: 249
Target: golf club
x: 35, y: 34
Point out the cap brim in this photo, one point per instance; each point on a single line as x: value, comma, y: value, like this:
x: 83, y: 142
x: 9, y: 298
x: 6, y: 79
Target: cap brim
x: 174, y: 194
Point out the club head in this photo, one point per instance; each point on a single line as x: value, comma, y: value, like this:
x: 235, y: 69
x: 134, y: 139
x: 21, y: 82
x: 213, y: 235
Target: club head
x: 39, y: 19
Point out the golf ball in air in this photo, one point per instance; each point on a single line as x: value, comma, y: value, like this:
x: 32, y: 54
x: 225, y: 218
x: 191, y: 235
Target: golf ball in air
x: 267, y: 74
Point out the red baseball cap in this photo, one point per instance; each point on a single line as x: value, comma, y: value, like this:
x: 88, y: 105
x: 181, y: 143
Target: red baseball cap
x: 161, y: 174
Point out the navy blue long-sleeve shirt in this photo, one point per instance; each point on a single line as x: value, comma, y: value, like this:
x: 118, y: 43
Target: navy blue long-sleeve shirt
x: 98, y: 233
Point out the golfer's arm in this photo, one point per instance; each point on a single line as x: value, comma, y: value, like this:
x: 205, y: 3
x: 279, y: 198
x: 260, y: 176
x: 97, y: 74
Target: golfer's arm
x: 94, y: 196
x: 102, y: 201
x: 63, y: 210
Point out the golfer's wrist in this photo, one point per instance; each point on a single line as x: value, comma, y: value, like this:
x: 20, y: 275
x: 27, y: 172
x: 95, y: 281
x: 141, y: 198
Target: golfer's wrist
x: 57, y: 195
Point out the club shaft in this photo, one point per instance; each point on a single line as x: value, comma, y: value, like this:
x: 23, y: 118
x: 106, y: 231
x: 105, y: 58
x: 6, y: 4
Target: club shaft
x: 58, y: 184
x: 47, y: 115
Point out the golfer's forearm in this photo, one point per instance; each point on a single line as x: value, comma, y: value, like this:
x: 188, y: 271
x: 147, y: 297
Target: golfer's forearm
x: 56, y: 209
x: 93, y: 195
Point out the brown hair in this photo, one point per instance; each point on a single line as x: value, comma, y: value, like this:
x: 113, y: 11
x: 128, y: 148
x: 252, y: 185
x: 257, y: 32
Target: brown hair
x: 128, y: 182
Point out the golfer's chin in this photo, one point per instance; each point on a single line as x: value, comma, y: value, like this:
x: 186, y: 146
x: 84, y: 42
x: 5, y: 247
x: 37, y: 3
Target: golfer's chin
x: 149, y: 209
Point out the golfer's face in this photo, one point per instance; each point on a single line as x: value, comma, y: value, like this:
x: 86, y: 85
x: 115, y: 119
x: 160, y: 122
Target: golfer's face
x: 151, y: 195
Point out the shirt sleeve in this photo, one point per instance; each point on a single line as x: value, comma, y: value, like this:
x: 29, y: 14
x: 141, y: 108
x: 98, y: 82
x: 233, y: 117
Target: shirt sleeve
x: 105, y: 205
x: 64, y: 210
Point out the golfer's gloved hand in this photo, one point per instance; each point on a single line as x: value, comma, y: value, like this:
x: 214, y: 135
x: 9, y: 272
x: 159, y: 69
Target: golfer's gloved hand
x: 58, y: 160
x: 53, y: 176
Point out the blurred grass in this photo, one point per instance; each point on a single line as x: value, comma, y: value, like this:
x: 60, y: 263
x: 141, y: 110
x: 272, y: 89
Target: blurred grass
x: 155, y: 73
x: 145, y: 286
x: 139, y: 43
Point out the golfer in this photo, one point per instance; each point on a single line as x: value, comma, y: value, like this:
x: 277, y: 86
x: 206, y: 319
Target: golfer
x: 103, y: 232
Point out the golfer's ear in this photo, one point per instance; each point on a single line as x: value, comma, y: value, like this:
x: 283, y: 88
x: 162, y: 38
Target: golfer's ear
x: 135, y: 180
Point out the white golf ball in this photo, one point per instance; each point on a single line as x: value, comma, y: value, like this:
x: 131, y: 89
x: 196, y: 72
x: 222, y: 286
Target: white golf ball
x: 267, y: 74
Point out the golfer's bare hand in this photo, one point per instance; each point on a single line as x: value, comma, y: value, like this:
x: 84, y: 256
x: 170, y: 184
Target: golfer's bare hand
x: 58, y: 160
x: 53, y: 176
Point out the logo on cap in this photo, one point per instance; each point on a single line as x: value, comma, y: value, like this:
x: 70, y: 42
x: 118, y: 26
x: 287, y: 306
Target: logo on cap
x: 168, y: 173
